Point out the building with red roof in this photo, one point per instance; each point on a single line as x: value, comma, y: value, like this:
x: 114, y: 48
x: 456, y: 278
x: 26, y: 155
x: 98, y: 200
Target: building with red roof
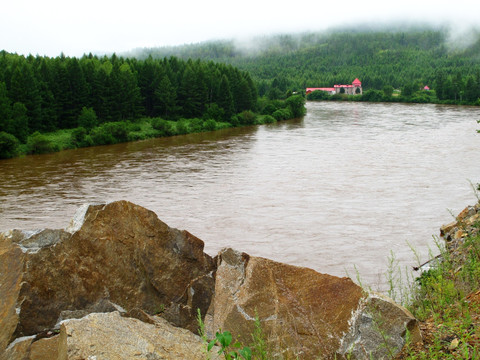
x: 354, y: 89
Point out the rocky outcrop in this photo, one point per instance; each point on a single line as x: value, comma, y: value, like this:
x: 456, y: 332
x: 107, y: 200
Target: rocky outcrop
x: 463, y: 226
x: 378, y: 329
x: 118, y: 252
x: 92, y: 290
x: 303, y: 313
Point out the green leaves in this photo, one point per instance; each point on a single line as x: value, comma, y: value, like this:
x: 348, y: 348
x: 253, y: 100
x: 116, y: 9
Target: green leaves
x: 224, y: 340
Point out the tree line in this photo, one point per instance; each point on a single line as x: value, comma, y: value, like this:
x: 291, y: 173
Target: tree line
x: 46, y: 94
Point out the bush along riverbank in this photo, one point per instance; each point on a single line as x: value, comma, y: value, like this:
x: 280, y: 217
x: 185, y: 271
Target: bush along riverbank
x: 91, y: 133
x: 445, y: 298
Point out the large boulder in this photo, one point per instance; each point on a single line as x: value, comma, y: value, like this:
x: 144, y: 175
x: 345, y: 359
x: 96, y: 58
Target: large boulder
x: 303, y: 313
x: 118, y: 254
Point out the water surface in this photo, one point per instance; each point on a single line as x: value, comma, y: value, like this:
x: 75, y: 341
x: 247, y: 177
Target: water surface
x: 340, y: 189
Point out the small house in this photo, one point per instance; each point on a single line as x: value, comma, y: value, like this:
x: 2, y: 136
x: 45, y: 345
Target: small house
x: 354, y: 89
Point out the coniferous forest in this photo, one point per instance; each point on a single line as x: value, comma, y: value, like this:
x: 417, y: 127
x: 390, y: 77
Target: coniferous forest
x: 45, y: 94
x: 105, y: 99
x: 401, y: 59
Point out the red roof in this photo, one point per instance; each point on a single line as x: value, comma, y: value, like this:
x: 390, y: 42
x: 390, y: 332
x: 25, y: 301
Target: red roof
x: 356, y: 82
x: 426, y: 88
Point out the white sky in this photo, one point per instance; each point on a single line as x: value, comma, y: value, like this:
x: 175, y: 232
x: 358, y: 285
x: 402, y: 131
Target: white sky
x: 49, y: 27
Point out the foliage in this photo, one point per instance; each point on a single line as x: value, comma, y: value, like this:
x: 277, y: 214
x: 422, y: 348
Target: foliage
x: 88, y: 118
x: 164, y: 127
x: 39, y: 144
x: 318, y: 95
x: 404, y: 58
x: 296, y: 105
x: 210, y: 125
x: 446, y: 299
x: 246, y: 117
x: 109, y: 133
x: 258, y: 349
x: 8, y: 145
x: 268, y: 119
x: 80, y: 138
x: 48, y: 94
x: 282, y: 114
x: 224, y: 340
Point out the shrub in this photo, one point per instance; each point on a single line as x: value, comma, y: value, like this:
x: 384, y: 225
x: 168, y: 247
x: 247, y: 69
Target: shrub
x: 234, y: 120
x: 372, y: 95
x: 268, y: 119
x: 164, y: 127
x: 210, y: 125
x: 282, y: 114
x: 8, y: 145
x: 247, y: 117
x: 182, y: 127
x: 296, y: 104
x: 40, y: 144
x: 100, y: 136
x: 269, y: 109
x: 110, y: 133
x: 78, y: 137
x: 318, y: 95
x: 195, y: 125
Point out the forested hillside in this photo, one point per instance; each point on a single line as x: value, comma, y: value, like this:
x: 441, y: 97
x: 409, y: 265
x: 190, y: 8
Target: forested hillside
x: 402, y: 59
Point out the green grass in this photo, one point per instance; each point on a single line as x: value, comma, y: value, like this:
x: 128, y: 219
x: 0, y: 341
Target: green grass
x: 140, y: 129
x: 446, y: 300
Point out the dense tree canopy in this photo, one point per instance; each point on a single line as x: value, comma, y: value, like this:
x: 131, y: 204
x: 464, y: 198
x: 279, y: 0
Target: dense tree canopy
x: 45, y: 94
x: 402, y: 58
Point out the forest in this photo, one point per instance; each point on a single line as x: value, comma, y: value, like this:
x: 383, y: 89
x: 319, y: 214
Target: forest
x: 212, y: 85
x: 403, y: 59
x: 114, y: 99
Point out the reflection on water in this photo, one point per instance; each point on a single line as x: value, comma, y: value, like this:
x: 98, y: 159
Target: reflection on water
x: 339, y: 188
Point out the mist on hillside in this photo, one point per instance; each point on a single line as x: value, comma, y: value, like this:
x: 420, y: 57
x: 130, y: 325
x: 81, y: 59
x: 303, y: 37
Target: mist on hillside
x: 455, y: 39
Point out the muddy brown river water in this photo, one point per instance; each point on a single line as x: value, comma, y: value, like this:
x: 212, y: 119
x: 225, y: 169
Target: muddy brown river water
x: 338, y: 190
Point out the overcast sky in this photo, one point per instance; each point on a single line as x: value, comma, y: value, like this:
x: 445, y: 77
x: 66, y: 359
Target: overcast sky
x: 49, y: 27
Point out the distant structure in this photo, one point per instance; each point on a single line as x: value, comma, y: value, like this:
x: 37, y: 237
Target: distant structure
x: 426, y: 88
x: 354, y: 89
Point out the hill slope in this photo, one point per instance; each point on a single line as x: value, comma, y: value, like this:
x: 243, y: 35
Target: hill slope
x: 377, y: 58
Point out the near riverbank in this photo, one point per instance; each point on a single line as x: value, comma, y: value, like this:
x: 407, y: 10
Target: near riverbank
x: 446, y: 296
x: 141, y: 129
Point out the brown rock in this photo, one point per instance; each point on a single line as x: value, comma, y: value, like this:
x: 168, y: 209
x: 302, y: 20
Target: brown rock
x: 472, y: 220
x: 303, y: 313
x: 445, y: 229
x: 11, y: 269
x: 465, y: 213
x: 110, y: 336
x: 30, y: 348
x: 120, y: 252
x: 378, y: 329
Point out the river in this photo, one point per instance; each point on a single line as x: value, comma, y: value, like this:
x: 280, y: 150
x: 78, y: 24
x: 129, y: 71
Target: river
x: 338, y: 190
